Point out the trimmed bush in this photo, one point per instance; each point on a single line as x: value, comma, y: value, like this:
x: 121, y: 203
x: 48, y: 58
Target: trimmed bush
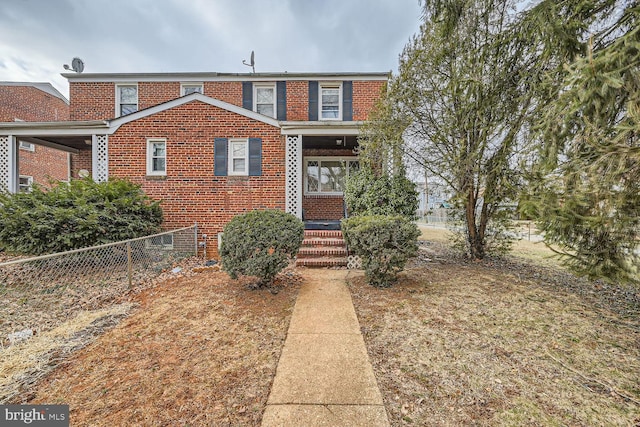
x: 385, y: 244
x: 369, y: 194
x: 260, y: 244
x: 74, y: 215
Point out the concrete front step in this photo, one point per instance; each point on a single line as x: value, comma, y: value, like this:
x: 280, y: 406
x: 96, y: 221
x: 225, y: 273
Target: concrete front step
x: 322, y: 262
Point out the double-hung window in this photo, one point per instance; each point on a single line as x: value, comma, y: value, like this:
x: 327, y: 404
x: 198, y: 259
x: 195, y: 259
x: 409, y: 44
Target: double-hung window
x: 156, y: 157
x: 238, y: 157
x: 330, y: 101
x: 189, y: 88
x: 126, y: 99
x: 264, y: 99
x: 327, y: 175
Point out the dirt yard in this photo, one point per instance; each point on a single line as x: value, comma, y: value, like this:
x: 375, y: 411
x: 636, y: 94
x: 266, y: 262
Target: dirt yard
x: 501, y: 343
x: 509, y: 342
x: 200, y: 350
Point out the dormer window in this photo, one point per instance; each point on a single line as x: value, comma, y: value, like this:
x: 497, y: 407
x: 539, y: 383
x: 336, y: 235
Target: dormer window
x: 330, y: 102
x: 264, y: 99
x: 189, y: 88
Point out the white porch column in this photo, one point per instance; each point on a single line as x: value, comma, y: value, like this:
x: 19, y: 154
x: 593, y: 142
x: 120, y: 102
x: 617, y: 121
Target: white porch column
x: 293, y: 167
x: 100, y: 158
x: 9, y: 177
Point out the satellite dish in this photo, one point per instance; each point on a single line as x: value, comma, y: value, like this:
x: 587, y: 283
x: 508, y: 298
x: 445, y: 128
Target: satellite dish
x: 252, y: 62
x: 77, y: 65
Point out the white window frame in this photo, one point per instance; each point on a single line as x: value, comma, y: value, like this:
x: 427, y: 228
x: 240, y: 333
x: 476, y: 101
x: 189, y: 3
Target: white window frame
x: 150, y: 144
x: 27, y: 146
x: 271, y: 86
x: 330, y: 85
x: 27, y: 188
x: 118, y: 86
x: 320, y: 159
x: 183, y: 87
x: 238, y: 141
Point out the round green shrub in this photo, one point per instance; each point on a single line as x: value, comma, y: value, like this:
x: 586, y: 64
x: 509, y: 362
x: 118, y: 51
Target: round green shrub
x: 75, y: 215
x: 384, y: 243
x: 260, y: 244
x: 369, y: 194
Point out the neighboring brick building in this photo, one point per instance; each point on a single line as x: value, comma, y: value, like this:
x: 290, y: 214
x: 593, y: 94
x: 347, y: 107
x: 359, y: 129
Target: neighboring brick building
x: 36, y: 102
x: 212, y: 145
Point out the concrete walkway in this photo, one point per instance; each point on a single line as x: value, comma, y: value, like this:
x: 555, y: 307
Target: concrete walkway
x: 324, y: 377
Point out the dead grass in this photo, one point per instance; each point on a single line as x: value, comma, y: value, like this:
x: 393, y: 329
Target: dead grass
x: 493, y: 343
x: 23, y: 364
x: 200, y: 350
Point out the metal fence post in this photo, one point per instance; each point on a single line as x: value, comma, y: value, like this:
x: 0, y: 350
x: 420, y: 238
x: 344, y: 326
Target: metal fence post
x: 195, y: 238
x: 129, y: 265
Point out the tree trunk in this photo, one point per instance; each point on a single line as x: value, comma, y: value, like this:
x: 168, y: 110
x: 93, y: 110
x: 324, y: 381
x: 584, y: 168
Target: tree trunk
x: 475, y: 239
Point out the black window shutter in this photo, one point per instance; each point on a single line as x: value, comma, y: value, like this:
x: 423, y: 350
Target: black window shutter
x: 247, y: 95
x: 255, y: 156
x: 347, y: 101
x: 281, y: 95
x: 313, y: 101
x: 220, y: 156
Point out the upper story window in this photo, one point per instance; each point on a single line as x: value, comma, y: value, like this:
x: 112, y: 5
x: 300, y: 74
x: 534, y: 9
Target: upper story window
x: 189, y: 88
x: 330, y: 101
x: 238, y: 157
x: 27, y: 146
x: 156, y: 157
x: 126, y: 99
x: 264, y: 99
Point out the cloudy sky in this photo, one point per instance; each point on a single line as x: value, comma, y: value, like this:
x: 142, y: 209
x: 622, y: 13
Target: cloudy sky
x: 38, y: 36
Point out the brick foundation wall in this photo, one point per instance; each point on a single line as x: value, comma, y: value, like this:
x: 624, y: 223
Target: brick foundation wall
x: 322, y: 207
x: 191, y: 192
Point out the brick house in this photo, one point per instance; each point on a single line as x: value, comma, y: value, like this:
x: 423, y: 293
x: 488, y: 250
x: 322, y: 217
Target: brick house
x: 36, y: 102
x: 213, y: 145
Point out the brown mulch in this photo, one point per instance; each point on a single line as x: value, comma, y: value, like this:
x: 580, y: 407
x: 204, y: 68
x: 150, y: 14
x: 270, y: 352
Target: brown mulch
x: 501, y: 342
x: 199, y: 350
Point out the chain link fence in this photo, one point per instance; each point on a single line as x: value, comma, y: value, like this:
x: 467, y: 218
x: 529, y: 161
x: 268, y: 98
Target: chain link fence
x: 39, y: 293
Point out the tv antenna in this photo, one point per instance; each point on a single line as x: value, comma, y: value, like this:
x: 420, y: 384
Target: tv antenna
x: 252, y: 62
x: 77, y: 65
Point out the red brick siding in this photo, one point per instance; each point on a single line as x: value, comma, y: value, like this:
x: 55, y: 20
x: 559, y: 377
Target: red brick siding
x: 44, y: 164
x: 365, y: 94
x: 154, y: 93
x: 322, y: 207
x: 80, y: 161
x: 190, y: 192
x: 96, y: 101
x: 92, y: 101
x: 297, y: 100
x: 31, y: 105
x: 230, y: 92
